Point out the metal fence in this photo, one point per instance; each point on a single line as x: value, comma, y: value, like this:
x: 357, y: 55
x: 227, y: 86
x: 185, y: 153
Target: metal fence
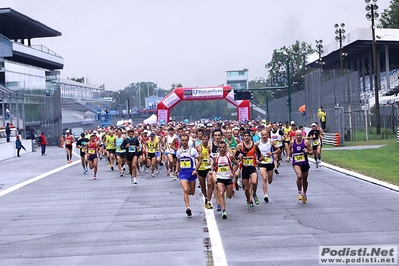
x: 340, y: 97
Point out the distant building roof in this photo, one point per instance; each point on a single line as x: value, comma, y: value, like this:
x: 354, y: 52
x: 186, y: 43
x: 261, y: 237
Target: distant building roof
x: 15, y: 25
x: 357, y: 42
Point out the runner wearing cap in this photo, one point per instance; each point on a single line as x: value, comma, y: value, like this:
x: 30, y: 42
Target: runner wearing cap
x: 277, y: 135
x: 315, y: 139
x: 268, y: 149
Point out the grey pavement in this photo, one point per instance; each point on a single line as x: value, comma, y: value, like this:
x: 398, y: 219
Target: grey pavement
x: 354, y: 147
x: 67, y: 218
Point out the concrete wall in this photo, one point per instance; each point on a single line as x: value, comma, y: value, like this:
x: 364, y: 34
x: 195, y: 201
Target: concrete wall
x: 7, y: 149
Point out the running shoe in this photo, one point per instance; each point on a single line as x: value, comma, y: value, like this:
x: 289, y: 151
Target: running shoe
x: 276, y: 171
x: 121, y: 174
x: 224, y: 215
x: 304, y: 198
x: 257, y: 201
x: 174, y: 177
x: 157, y: 172
x: 188, y: 212
x: 208, y: 206
x: 299, y: 196
x: 168, y: 173
x: 249, y: 206
x: 160, y: 163
x: 109, y: 165
x: 237, y: 186
x: 112, y: 168
x: 218, y: 208
x: 84, y: 171
x: 317, y: 164
x: 266, y: 198
x: 131, y: 180
x: 146, y: 170
x: 123, y: 169
x: 94, y: 177
x: 134, y: 181
x: 152, y: 174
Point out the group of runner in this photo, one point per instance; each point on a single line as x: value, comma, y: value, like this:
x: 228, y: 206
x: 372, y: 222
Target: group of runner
x: 221, y: 155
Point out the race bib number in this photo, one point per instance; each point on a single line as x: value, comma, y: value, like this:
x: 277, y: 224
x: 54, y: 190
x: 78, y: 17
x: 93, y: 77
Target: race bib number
x: 266, y: 160
x: 205, y: 164
x: 316, y: 142
x: 67, y: 142
x: 185, y: 163
x: 299, y: 157
x: 277, y: 142
x: 223, y: 168
x: 132, y: 149
x: 151, y: 150
x: 120, y: 150
x: 248, y: 161
x: 83, y: 149
x: 91, y: 151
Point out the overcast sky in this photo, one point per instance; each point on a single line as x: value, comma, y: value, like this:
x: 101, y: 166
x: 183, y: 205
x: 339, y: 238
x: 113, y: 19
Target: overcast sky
x: 182, y: 41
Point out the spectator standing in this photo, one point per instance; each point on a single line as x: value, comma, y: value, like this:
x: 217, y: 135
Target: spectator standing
x: 8, y: 113
x: 8, y: 132
x: 321, y: 113
x: 18, y: 146
x: 43, y: 143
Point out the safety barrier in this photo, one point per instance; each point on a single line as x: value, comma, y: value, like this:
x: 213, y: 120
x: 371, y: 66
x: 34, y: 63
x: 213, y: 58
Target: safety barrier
x: 333, y: 139
x: 397, y: 134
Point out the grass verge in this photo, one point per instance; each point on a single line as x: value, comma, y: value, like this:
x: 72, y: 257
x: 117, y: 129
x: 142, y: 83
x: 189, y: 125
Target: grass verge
x: 381, y: 163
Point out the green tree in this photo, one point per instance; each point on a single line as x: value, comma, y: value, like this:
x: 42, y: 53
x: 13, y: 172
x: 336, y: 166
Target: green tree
x: 390, y: 16
x: 294, y: 55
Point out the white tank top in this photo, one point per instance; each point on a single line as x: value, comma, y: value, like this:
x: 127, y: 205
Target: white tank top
x: 264, y: 148
x: 223, y: 167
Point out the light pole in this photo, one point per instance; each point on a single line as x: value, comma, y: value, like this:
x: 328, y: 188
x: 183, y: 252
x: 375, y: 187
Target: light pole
x: 372, y: 14
x: 340, y: 36
x: 319, y: 47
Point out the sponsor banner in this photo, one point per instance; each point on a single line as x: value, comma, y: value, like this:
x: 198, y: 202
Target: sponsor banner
x: 171, y: 100
x: 243, y: 114
x: 203, y: 93
x: 162, y: 115
x: 358, y: 255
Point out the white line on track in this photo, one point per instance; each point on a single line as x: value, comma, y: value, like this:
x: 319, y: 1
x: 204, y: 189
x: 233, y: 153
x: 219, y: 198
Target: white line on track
x: 219, y: 258
x: 34, y: 179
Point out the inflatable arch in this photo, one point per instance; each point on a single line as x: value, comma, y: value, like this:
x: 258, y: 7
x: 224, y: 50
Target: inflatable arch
x: 201, y: 94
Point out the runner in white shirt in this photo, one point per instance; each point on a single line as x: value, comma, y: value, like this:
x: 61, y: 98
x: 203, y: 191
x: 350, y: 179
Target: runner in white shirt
x: 268, y: 149
x: 223, y: 171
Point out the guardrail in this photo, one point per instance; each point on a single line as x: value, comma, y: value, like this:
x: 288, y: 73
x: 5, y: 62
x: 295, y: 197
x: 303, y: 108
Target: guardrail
x: 335, y: 138
x: 397, y: 134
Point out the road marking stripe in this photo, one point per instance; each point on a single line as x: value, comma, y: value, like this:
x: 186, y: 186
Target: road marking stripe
x: 34, y: 179
x: 360, y: 176
x: 219, y: 257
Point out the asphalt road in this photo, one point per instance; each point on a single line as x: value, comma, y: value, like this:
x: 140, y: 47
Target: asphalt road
x: 53, y: 214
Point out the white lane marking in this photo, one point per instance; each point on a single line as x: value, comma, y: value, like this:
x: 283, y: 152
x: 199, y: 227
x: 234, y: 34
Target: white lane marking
x: 219, y: 257
x: 360, y: 176
x: 34, y: 179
